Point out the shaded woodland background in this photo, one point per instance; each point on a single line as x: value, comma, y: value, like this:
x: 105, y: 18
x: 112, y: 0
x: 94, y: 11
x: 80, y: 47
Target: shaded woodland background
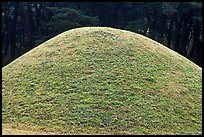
x: 177, y: 25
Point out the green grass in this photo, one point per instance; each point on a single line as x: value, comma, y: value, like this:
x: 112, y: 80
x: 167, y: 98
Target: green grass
x: 99, y: 80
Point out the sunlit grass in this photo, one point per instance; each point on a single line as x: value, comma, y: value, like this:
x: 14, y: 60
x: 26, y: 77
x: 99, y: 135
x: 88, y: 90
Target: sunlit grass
x: 102, y: 81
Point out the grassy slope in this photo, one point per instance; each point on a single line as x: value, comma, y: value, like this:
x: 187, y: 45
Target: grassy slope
x: 102, y: 81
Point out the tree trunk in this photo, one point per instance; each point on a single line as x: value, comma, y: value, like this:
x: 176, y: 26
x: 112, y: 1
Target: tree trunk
x: 30, y: 16
x: 187, y: 24
x: 28, y: 37
x: 5, y: 39
x: 169, y: 37
x: 115, y: 14
x: 38, y: 9
x: 13, y: 31
x: 196, y: 51
x: 177, y: 37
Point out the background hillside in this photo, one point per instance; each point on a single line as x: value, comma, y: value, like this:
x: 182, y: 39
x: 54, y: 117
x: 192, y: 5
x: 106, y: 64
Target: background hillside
x: 98, y: 80
x: 177, y: 25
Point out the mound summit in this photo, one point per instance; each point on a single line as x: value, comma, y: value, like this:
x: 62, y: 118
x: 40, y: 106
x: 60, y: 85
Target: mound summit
x: 100, y: 80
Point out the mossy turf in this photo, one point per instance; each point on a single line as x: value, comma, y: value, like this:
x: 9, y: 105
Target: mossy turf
x: 100, y: 80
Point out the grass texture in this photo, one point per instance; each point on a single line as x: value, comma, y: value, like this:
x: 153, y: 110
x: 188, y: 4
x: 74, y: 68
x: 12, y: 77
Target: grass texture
x: 100, y: 80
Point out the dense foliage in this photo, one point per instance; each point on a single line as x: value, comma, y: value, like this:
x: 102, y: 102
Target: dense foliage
x: 178, y: 25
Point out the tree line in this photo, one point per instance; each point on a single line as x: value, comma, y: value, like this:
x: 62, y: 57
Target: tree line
x: 177, y: 25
